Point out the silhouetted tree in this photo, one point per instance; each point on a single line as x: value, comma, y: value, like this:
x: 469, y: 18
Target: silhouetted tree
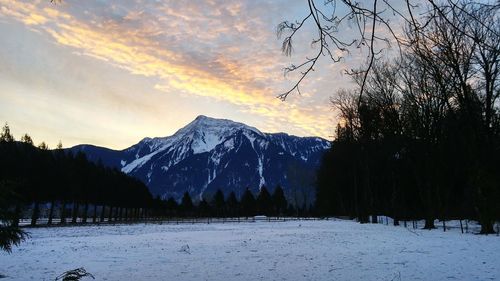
x: 264, y: 202
x: 233, y: 206
x: 204, y: 209
x: 219, y: 203
x: 248, y: 203
x: 171, y: 206
x: 27, y: 139
x: 10, y: 234
x: 279, y: 201
x: 186, y: 204
x: 6, y: 136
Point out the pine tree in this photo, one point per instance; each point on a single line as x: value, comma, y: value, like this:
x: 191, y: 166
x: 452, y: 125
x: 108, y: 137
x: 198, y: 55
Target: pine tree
x: 43, y: 146
x: 279, y: 201
x: 219, y: 203
x: 248, y: 203
x: 171, y: 206
x: 232, y: 204
x: 204, y: 209
x: 27, y: 139
x: 186, y: 204
x: 6, y: 136
x: 10, y: 234
x: 264, y: 202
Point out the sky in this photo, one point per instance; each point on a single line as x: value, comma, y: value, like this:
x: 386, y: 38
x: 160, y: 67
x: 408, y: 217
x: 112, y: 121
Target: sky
x: 110, y: 73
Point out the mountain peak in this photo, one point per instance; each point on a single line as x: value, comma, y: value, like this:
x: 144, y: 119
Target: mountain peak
x: 204, y: 133
x: 211, y: 153
x: 206, y: 124
x: 202, y: 117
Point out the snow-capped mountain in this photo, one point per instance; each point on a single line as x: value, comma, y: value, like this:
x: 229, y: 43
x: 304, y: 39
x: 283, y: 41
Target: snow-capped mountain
x: 210, y: 154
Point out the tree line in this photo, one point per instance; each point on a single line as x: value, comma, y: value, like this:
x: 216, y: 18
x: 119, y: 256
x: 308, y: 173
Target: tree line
x: 73, y: 188
x: 419, y: 137
x: 264, y: 203
x: 32, y: 176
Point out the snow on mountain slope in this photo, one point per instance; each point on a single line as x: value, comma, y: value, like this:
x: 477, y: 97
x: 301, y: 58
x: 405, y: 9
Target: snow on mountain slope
x: 210, y: 154
x: 201, y: 135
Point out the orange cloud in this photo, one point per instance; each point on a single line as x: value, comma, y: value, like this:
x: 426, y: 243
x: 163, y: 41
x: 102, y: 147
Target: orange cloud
x: 225, y: 76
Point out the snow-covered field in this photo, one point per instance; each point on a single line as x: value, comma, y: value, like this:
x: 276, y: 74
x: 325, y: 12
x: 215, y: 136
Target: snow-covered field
x: 293, y: 250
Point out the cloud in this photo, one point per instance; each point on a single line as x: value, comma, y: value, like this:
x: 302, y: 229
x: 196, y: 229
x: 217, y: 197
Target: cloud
x: 214, y: 49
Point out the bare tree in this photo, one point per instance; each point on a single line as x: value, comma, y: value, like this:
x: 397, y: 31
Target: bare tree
x: 485, y: 27
x: 372, y: 20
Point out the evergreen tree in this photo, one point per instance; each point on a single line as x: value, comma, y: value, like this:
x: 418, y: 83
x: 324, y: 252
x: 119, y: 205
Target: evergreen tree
x: 248, y: 203
x: 43, y: 146
x: 27, y: 139
x: 279, y: 201
x: 232, y: 205
x: 171, y: 206
x: 204, y: 209
x: 6, y: 136
x: 10, y: 234
x: 219, y: 203
x: 291, y: 210
x: 186, y: 204
x: 264, y: 202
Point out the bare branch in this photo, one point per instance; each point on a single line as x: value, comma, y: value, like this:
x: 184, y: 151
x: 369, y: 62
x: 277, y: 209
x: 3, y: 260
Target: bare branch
x: 329, y: 43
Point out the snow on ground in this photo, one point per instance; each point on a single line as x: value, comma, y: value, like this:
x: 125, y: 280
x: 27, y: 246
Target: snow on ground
x: 292, y: 250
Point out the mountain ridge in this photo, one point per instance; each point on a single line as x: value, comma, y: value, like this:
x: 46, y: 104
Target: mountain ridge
x: 209, y: 154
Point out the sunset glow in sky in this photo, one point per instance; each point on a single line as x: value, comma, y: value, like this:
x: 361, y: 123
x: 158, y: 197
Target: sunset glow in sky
x: 112, y: 72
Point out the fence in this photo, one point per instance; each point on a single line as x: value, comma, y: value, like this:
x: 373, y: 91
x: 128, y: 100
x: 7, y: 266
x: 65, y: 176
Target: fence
x: 43, y: 222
